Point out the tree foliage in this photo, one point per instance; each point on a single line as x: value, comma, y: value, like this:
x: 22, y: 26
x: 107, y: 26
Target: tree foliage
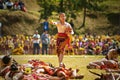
x: 70, y: 7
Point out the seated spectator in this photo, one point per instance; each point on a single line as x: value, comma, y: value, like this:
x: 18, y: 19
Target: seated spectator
x: 1, y: 4
x: 22, y: 5
x: 18, y: 50
x: 9, y: 4
x: 16, y: 6
x: 90, y: 49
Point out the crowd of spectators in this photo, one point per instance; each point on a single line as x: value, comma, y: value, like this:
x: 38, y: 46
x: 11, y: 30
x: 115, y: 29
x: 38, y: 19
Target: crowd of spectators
x: 82, y: 44
x: 9, y: 4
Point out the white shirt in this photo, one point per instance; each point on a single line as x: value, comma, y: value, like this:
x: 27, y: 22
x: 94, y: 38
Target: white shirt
x: 9, y: 3
x: 36, y: 38
x: 61, y: 28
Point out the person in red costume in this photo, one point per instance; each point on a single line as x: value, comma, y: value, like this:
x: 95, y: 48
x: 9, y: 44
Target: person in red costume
x: 63, y: 36
x: 9, y: 70
x: 55, y: 73
x: 109, y: 62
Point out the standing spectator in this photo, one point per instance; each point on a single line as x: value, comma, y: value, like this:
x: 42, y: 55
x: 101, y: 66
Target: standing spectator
x: 7, y: 48
x: 36, y: 41
x: 46, y: 25
x: 26, y: 45
x: 30, y: 45
x: 1, y: 4
x: 52, y: 45
x: 45, y: 42
x: 9, y: 4
x: 72, y: 24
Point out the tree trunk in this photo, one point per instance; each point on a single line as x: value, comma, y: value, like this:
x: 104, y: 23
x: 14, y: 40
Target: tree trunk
x: 84, y: 14
x: 84, y: 17
x: 61, y: 6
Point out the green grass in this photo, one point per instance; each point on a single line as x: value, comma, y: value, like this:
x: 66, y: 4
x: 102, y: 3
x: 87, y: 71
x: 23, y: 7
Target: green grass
x: 76, y: 61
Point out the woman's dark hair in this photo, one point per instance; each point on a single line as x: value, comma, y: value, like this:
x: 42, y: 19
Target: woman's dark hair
x: 13, y: 67
x: 6, y: 59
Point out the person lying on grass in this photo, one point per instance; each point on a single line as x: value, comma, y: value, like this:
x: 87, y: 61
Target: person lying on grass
x: 110, y: 61
x: 111, y: 74
x: 9, y: 70
x: 60, y: 72
x: 107, y: 76
x: 35, y: 70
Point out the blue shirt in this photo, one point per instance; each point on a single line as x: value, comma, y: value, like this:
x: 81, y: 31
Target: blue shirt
x: 46, y: 26
x: 45, y: 39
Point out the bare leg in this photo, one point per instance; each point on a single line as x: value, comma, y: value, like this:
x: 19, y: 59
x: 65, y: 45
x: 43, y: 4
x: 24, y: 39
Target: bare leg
x: 60, y: 58
x: 96, y: 64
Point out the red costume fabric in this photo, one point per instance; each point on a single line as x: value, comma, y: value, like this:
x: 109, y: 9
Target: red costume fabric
x: 62, y: 40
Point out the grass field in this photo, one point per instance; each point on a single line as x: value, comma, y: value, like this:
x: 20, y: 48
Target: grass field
x: 77, y: 61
